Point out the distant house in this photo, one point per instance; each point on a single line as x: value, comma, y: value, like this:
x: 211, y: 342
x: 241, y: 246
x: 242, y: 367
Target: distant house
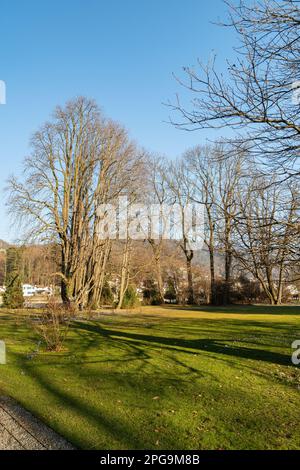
x: 28, y: 290
x: 293, y: 291
x: 44, y: 290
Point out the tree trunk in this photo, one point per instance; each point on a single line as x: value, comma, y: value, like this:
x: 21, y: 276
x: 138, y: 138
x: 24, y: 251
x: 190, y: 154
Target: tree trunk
x: 191, y: 299
x: 213, y: 294
x: 228, y: 263
x: 124, y: 274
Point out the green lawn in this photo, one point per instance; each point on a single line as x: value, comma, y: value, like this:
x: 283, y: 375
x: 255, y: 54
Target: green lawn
x: 164, y: 378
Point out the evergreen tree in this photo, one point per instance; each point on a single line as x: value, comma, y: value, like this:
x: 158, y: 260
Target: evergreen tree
x: 107, y: 296
x: 131, y: 299
x: 170, y: 293
x: 151, y: 294
x: 13, y: 296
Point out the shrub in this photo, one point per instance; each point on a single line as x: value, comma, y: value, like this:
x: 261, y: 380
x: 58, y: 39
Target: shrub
x: 131, y: 299
x: 107, y: 296
x: 13, y: 296
x: 170, y: 293
x: 151, y: 294
x: 53, y: 324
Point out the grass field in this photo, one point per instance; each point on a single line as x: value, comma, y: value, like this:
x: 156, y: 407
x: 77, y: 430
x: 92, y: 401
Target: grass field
x: 164, y: 378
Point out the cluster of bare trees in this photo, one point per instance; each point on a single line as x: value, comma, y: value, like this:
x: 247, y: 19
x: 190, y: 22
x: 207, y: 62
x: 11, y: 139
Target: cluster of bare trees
x: 248, y: 185
x: 253, y: 222
x: 267, y: 233
x: 78, y: 161
x: 259, y: 100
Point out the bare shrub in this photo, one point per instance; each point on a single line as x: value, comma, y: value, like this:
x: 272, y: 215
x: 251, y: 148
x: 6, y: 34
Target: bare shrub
x: 52, y: 325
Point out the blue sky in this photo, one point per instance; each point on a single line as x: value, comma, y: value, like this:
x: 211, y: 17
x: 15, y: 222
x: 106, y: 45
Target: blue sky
x: 120, y: 52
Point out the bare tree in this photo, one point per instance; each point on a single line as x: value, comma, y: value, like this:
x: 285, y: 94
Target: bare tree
x: 215, y: 173
x: 266, y: 233
x: 158, y: 196
x: 125, y: 271
x: 78, y: 161
x: 182, y: 194
x: 259, y: 95
x: 230, y: 174
x: 203, y: 175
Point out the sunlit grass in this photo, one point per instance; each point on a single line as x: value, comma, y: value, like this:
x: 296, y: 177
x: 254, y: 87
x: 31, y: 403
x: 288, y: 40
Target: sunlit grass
x: 164, y: 378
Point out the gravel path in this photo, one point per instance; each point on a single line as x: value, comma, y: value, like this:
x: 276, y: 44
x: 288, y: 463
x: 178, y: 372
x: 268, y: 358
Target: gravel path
x: 20, y: 430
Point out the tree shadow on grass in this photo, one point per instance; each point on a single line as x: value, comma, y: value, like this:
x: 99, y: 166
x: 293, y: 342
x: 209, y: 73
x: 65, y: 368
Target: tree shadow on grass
x: 116, y: 345
x: 107, y: 426
x: 104, y: 427
x: 188, y: 346
x: 240, y: 309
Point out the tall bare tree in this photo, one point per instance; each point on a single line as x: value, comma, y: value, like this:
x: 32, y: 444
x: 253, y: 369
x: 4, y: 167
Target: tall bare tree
x: 266, y: 234
x: 158, y: 195
x: 215, y: 173
x: 78, y: 161
x: 203, y: 175
x: 182, y: 195
x: 259, y: 96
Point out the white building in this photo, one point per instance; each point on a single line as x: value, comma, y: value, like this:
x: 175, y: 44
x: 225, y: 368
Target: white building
x: 44, y: 290
x: 28, y: 290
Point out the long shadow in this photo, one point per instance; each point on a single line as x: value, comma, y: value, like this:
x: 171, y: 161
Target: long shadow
x: 127, y: 434
x: 188, y: 346
x: 133, y: 351
x: 241, y: 309
x: 137, y: 346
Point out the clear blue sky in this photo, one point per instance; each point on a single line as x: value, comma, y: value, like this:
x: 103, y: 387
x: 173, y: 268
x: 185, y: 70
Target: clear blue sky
x: 120, y: 52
